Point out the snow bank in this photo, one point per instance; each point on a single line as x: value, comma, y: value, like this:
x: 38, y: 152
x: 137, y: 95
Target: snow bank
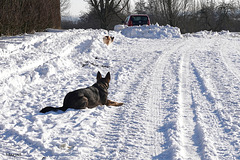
x: 208, y: 34
x: 151, y: 31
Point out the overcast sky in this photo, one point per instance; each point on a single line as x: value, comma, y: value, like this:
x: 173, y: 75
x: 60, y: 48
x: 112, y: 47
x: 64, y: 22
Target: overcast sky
x: 78, y: 6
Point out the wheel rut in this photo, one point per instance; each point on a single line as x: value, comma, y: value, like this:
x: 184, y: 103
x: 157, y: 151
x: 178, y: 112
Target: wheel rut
x: 187, y: 121
x: 127, y: 127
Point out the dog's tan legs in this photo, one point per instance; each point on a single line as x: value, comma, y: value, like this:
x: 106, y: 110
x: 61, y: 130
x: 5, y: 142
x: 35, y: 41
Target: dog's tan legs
x: 112, y: 103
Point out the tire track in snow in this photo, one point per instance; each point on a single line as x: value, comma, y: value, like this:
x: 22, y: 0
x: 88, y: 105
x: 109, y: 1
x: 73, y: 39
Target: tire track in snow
x: 213, y: 94
x: 199, y: 108
x: 126, y: 128
x: 189, y: 137
x: 195, y: 142
x: 127, y: 135
x: 155, y: 112
x: 167, y: 143
x: 170, y: 109
x: 202, y: 100
x: 180, y: 134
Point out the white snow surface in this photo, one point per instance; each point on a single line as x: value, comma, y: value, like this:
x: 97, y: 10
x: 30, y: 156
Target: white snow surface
x: 149, y: 31
x: 181, y: 95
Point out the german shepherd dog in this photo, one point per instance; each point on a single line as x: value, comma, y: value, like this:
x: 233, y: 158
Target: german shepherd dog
x: 108, y: 40
x: 89, y: 97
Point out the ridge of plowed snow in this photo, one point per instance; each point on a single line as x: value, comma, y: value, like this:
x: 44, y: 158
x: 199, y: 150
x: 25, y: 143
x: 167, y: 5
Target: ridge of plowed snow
x: 151, y: 31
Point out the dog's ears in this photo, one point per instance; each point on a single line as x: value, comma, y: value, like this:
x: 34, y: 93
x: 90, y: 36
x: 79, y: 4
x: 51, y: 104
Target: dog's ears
x: 108, y: 77
x: 99, y: 75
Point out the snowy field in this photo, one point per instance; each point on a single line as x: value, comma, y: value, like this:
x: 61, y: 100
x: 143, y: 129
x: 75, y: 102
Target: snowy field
x: 180, y: 93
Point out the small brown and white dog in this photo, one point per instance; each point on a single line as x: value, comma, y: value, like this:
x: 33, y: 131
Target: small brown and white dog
x: 108, y: 40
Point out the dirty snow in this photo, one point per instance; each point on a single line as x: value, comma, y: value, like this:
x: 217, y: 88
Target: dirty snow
x: 180, y: 94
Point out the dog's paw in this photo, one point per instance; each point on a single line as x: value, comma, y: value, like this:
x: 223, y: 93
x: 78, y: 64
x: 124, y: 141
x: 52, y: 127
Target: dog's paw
x: 112, y: 103
x: 119, y: 104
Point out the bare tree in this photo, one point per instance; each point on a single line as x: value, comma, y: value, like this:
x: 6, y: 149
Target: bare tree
x: 64, y: 4
x: 141, y: 7
x: 207, y: 16
x: 105, y: 9
x: 225, y: 12
x: 126, y: 7
x: 168, y: 11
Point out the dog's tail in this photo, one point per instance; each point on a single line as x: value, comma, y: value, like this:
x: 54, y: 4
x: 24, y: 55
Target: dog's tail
x: 48, y: 109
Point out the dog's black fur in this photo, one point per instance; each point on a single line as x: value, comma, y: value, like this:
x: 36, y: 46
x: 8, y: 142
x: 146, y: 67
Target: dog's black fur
x: 89, y: 97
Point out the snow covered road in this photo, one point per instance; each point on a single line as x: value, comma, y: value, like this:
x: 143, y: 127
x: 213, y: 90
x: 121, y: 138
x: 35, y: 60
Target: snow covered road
x: 181, y: 96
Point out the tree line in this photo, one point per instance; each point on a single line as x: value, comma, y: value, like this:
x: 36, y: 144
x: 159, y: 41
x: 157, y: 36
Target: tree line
x: 188, y: 15
x: 27, y: 16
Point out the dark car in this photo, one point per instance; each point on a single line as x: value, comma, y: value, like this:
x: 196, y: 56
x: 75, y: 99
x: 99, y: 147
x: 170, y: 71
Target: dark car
x: 137, y: 20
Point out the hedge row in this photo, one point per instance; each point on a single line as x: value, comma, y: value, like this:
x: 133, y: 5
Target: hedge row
x: 27, y: 16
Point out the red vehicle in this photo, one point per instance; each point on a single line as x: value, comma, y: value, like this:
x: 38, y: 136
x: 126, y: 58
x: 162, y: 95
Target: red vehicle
x: 137, y: 20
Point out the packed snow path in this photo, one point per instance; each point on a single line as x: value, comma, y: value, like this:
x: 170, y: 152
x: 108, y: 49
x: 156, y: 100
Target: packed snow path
x: 181, y: 96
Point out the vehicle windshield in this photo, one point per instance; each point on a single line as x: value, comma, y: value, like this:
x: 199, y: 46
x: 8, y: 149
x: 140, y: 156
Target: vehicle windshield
x: 139, y: 20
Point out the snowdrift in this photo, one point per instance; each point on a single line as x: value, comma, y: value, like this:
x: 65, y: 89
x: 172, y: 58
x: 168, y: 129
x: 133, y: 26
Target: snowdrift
x: 151, y: 31
x: 209, y: 34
